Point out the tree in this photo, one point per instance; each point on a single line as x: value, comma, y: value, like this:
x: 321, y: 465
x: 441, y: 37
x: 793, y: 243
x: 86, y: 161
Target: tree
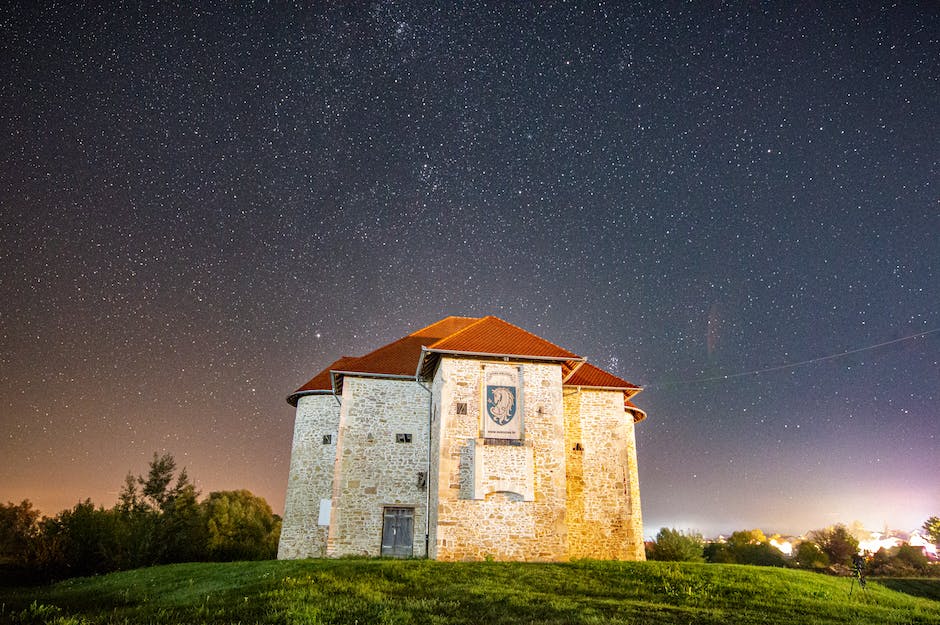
x: 241, y: 526
x: 82, y: 541
x: 745, y: 538
x: 746, y: 547
x: 155, y: 490
x: 810, y: 556
x: 901, y: 561
x: 19, y: 529
x: 913, y: 557
x: 719, y: 553
x: 932, y: 528
x: 837, y: 543
x: 182, y: 527
x: 162, y: 521
x: 677, y: 546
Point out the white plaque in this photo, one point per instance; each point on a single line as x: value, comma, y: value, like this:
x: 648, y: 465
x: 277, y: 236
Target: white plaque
x: 502, y: 402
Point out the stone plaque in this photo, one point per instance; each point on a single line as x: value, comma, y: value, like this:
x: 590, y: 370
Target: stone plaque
x: 502, y: 402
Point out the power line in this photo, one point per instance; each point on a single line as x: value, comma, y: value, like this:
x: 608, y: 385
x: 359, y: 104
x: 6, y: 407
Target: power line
x: 793, y: 365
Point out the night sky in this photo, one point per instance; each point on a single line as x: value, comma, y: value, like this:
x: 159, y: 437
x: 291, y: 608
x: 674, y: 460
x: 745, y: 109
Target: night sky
x: 201, y: 208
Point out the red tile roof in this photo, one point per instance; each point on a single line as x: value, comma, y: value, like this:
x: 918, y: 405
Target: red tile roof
x: 487, y: 336
x: 638, y: 414
x: 594, y: 377
x: 493, y: 336
x: 321, y: 382
x: 401, y: 357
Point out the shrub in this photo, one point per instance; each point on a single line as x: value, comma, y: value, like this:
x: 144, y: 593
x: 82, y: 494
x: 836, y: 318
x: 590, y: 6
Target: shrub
x: 901, y: 561
x: 810, y: 556
x: 241, y: 526
x: 676, y: 546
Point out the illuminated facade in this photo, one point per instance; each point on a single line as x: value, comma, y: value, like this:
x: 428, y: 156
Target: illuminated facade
x: 468, y: 439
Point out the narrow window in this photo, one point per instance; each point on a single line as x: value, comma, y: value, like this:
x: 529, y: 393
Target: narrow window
x: 461, y: 407
x: 403, y: 438
x: 327, y: 439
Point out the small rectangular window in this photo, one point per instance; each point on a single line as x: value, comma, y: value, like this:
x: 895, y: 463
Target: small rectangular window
x: 461, y: 407
x: 403, y: 438
x: 327, y: 439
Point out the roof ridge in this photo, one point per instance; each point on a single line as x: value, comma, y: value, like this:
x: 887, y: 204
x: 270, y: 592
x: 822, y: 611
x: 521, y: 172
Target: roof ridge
x: 541, y: 338
x: 463, y: 329
x: 398, y: 340
x: 490, y: 324
x: 442, y: 320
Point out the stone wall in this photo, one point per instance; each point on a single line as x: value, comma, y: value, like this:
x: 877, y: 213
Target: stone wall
x: 373, y: 470
x: 603, y: 494
x: 567, y: 489
x: 310, y: 481
x: 477, y: 509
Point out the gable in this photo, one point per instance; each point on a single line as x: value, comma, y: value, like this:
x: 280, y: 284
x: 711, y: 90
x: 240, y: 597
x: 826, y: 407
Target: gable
x: 417, y: 355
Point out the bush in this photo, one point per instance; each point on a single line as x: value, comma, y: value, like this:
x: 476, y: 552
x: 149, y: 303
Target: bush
x: 676, y: 546
x: 241, y: 526
x: 901, y: 561
x: 810, y: 556
x: 745, y: 547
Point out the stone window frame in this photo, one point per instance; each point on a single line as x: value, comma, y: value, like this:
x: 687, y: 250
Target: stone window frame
x: 403, y: 437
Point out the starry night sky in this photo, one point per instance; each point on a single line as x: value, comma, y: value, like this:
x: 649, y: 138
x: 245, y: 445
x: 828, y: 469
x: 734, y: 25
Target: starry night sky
x: 201, y: 208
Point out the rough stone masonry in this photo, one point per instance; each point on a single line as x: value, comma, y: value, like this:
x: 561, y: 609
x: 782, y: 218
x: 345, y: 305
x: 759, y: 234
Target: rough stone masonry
x: 468, y: 439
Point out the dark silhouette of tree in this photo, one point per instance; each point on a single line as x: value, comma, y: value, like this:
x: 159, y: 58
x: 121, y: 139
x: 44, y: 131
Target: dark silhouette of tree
x: 82, y: 541
x: 157, y: 519
x: 837, y: 543
x: 19, y: 527
x: 932, y: 528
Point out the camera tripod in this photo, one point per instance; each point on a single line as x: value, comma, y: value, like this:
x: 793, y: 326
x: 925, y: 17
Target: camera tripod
x: 858, y: 563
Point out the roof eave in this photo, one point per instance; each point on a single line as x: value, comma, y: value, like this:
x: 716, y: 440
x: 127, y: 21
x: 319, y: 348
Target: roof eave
x: 370, y: 374
x: 294, y: 397
x: 450, y: 352
x: 638, y: 415
x: 626, y: 389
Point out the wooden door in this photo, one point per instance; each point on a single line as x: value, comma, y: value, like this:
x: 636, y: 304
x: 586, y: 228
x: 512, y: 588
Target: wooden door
x: 398, y: 532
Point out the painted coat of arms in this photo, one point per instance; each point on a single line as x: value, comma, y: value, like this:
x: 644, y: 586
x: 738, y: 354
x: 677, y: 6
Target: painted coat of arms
x: 501, y: 404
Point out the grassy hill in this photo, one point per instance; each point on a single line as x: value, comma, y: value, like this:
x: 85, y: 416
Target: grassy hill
x: 421, y: 591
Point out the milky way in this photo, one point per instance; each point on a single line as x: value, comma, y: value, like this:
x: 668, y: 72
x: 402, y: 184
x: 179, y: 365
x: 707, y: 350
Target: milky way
x: 203, y: 208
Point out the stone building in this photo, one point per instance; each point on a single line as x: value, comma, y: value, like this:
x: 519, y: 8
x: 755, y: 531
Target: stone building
x: 468, y: 439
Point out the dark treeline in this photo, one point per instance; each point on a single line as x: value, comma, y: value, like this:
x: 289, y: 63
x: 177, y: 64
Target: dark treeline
x: 833, y: 549
x: 158, y: 519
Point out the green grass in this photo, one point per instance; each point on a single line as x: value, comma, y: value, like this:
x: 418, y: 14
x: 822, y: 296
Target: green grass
x: 420, y: 591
